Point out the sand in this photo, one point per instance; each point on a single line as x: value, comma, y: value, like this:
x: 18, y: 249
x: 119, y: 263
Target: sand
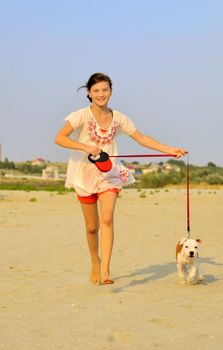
x: 47, y: 301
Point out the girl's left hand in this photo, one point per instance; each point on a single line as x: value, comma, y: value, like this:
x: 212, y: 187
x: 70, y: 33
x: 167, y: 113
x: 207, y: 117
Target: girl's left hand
x: 178, y: 152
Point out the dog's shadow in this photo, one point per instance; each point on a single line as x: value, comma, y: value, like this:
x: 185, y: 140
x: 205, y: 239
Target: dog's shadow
x: 208, y: 279
x: 155, y: 272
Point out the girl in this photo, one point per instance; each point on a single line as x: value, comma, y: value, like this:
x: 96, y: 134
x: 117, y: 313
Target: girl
x: 89, y: 131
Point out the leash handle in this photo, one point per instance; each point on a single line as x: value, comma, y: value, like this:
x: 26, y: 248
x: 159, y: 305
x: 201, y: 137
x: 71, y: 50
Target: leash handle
x: 188, y: 195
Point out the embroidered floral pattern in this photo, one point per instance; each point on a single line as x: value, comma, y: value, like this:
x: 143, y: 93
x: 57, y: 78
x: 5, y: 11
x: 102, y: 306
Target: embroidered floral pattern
x: 123, y: 175
x: 99, y: 139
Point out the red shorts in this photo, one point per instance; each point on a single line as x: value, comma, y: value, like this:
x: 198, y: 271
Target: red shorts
x: 94, y: 196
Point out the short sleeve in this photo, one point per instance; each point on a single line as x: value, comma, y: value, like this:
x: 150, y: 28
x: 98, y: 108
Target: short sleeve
x: 76, y: 118
x: 125, y: 124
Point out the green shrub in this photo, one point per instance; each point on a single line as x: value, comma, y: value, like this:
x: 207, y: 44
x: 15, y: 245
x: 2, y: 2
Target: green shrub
x: 143, y: 194
x: 214, y: 179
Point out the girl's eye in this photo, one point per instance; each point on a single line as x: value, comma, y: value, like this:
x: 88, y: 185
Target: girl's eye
x: 186, y: 246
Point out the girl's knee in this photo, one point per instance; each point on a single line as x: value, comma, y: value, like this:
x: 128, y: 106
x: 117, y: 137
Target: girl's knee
x: 92, y: 228
x: 106, y: 219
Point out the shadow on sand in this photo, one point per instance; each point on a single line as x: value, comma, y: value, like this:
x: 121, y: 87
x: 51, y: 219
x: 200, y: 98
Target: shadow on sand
x: 155, y: 272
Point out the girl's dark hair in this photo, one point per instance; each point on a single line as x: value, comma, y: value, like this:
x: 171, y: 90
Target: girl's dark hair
x: 94, y: 79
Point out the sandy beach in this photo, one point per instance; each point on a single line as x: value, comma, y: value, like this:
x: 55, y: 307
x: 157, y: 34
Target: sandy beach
x: 47, y: 301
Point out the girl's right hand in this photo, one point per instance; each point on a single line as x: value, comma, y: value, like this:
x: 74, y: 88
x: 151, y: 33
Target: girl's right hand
x: 94, y: 150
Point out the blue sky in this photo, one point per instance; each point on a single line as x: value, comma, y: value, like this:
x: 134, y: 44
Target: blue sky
x: 164, y: 57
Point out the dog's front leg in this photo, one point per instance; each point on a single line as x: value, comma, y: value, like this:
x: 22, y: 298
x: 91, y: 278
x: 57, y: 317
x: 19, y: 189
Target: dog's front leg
x: 200, y: 276
x: 192, y: 277
x: 181, y: 273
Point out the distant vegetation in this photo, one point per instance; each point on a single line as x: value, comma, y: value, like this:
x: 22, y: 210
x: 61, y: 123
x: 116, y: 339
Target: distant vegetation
x: 32, y: 185
x: 25, y: 168
x: 19, y: 177
x: 211, y: 175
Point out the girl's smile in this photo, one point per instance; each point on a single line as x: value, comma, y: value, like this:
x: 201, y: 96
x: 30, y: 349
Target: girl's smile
x: 100, y: 93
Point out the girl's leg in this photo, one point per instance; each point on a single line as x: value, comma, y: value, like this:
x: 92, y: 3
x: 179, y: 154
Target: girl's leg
x: 107, y: 205
x: 90, y: 212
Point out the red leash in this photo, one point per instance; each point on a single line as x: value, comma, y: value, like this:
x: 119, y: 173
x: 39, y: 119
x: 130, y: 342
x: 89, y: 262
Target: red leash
x: 188, y: 197
x: 142, y: 155
x: 187, y: 177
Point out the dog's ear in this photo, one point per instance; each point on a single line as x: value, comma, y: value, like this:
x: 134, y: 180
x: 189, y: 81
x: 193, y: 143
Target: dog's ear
x: 182, y: 241
x: 178, y: 249
x: 198, y: 240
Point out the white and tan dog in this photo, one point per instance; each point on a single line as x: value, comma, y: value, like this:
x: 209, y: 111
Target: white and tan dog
x: 188, y: 261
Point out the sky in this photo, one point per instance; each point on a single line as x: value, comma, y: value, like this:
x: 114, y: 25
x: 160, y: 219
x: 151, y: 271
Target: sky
x: 163, y: 56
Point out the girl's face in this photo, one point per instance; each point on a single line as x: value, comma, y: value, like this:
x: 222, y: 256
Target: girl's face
x: 100, y: 93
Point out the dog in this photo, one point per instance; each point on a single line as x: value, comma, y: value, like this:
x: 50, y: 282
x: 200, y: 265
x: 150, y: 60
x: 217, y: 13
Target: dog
x: 188, y: 261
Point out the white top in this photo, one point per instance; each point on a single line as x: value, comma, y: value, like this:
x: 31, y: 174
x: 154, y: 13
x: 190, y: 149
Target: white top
x: 83, y: 175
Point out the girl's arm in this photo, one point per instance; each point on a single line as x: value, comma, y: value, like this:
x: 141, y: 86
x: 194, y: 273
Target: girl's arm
x: 149, y: 142
x: 62, y: 139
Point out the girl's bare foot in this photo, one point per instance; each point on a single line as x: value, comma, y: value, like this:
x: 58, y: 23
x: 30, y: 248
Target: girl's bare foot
x: 95, y: 276
x: 106, y: 279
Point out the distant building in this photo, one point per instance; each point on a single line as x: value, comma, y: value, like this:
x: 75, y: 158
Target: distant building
x: 167, y: 167
x: 39, y: 162
x: 135, y: 168
x: 152, y: 168
x: 51, y: 172
x: 138, y: 169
